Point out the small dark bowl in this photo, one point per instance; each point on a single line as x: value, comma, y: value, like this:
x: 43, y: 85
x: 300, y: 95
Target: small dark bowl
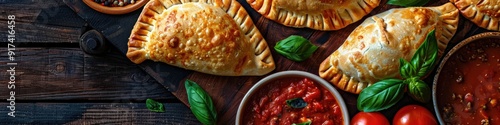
x: 455, y: 49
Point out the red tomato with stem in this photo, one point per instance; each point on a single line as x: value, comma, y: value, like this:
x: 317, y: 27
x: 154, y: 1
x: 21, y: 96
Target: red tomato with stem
x: 414, y: 115
x: 369, y: 118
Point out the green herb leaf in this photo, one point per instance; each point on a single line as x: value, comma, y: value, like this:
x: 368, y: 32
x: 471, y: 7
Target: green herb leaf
x: 296, y: 103
x: 420, y: 2
x: 400, y: 2
x: 419, y: 90
x: 295, y: 48
x: 426, y: 55
x: 201, y: 103
x: 380, y: 95
x: 406, y: 70
x: 303, y: 123
x: 154, y: 106
x: 408, y: 3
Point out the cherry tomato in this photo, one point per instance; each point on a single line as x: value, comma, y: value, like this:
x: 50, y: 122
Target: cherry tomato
x: 369, y: 118
x: 414, y: 115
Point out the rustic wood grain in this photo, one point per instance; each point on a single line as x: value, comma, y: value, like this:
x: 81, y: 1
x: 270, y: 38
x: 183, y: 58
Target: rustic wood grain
x: 41, y: 21
x: 64, y: 74
x: 25, y: 10
x: 53, y: 12
x: 96, y: 113
x: 39, y: 33
x: 56, y: 83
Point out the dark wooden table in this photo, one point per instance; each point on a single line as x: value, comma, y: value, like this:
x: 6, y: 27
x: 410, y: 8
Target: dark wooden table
x: 58, y: 83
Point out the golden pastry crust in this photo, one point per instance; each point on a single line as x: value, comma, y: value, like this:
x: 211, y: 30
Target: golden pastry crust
x: 314, y: 14
x: 214, y: 37
x: 484, y: 13
x: 372, y: 51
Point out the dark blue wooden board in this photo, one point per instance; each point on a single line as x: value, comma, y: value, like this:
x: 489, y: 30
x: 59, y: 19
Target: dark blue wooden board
x: 116, y: 29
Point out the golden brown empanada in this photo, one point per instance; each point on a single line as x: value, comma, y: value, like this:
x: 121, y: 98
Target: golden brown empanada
x: 214, y: 37
x: 484, y: 13
x: 314, y: 14
x: 372, y: 51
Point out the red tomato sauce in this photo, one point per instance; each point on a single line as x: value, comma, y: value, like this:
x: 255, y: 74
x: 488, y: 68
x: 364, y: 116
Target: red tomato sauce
x: 469, y: 86
x: 268, y: 106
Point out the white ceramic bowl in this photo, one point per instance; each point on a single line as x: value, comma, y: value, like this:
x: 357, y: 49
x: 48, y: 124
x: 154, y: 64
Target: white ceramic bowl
x: 263, y: 82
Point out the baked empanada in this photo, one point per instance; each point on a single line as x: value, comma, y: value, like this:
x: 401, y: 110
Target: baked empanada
x: 314, y: 14
x: 484, y: 13
x: 214, y: 37
x: 372, y: 51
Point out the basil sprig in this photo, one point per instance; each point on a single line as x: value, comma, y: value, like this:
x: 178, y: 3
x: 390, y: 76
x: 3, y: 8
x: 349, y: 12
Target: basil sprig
x: 386, y: 93
x: 296, y: 48
x: 296, y: 103
x: 154, y: 106
x: 408, y: 3
x: 201, y: 103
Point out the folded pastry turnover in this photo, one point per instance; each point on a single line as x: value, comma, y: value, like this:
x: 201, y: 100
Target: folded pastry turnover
x: 484, y: 13
x: 214, y: 37
x: 314, y: 14
x: 372, y: 51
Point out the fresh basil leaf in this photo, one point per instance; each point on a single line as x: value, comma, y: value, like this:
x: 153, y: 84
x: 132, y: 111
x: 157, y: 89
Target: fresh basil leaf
x: 419, y: 90
x: 425, y: 57
x: 201, y: 103
x: 296, y: 103
x: 380, y: 95
x: 400, y: 2
x: 408, y: 3
x: 303, y: 123
x: 420, y: 2
x: 154, y: 106
x: 405, y: 69
x: 295, y: 48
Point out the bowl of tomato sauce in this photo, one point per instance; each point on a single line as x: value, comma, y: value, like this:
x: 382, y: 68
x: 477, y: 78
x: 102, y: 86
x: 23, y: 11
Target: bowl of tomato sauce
x: 466, y: 88
x: 292, y: 97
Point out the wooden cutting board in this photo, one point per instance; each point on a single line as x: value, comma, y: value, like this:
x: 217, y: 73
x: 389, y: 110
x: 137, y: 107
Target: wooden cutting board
x: 227, y: 92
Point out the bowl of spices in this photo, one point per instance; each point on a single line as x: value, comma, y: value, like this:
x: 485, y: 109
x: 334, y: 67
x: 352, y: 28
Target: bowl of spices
x: 466, y: 88
x: 115, y: 7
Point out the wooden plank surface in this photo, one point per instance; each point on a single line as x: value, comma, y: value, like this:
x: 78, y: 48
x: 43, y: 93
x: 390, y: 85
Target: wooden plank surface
x: 41, y: 21
x: 66, y: 86
x: 96, y: 113
x: 227, y: 92
x: 57, y: 83
x: 70, y: 74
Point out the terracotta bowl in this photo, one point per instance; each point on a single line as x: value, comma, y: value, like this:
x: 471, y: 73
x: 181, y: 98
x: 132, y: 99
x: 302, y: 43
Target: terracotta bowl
x: 289, y: 74
x: 115, y: 10
x: 447, y: 78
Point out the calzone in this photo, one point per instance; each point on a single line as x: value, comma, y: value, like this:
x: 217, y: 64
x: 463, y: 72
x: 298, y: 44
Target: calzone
x: 372, y: 51
x: 215, y: 37
x: 314, y: 14
x: 484, y: 13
